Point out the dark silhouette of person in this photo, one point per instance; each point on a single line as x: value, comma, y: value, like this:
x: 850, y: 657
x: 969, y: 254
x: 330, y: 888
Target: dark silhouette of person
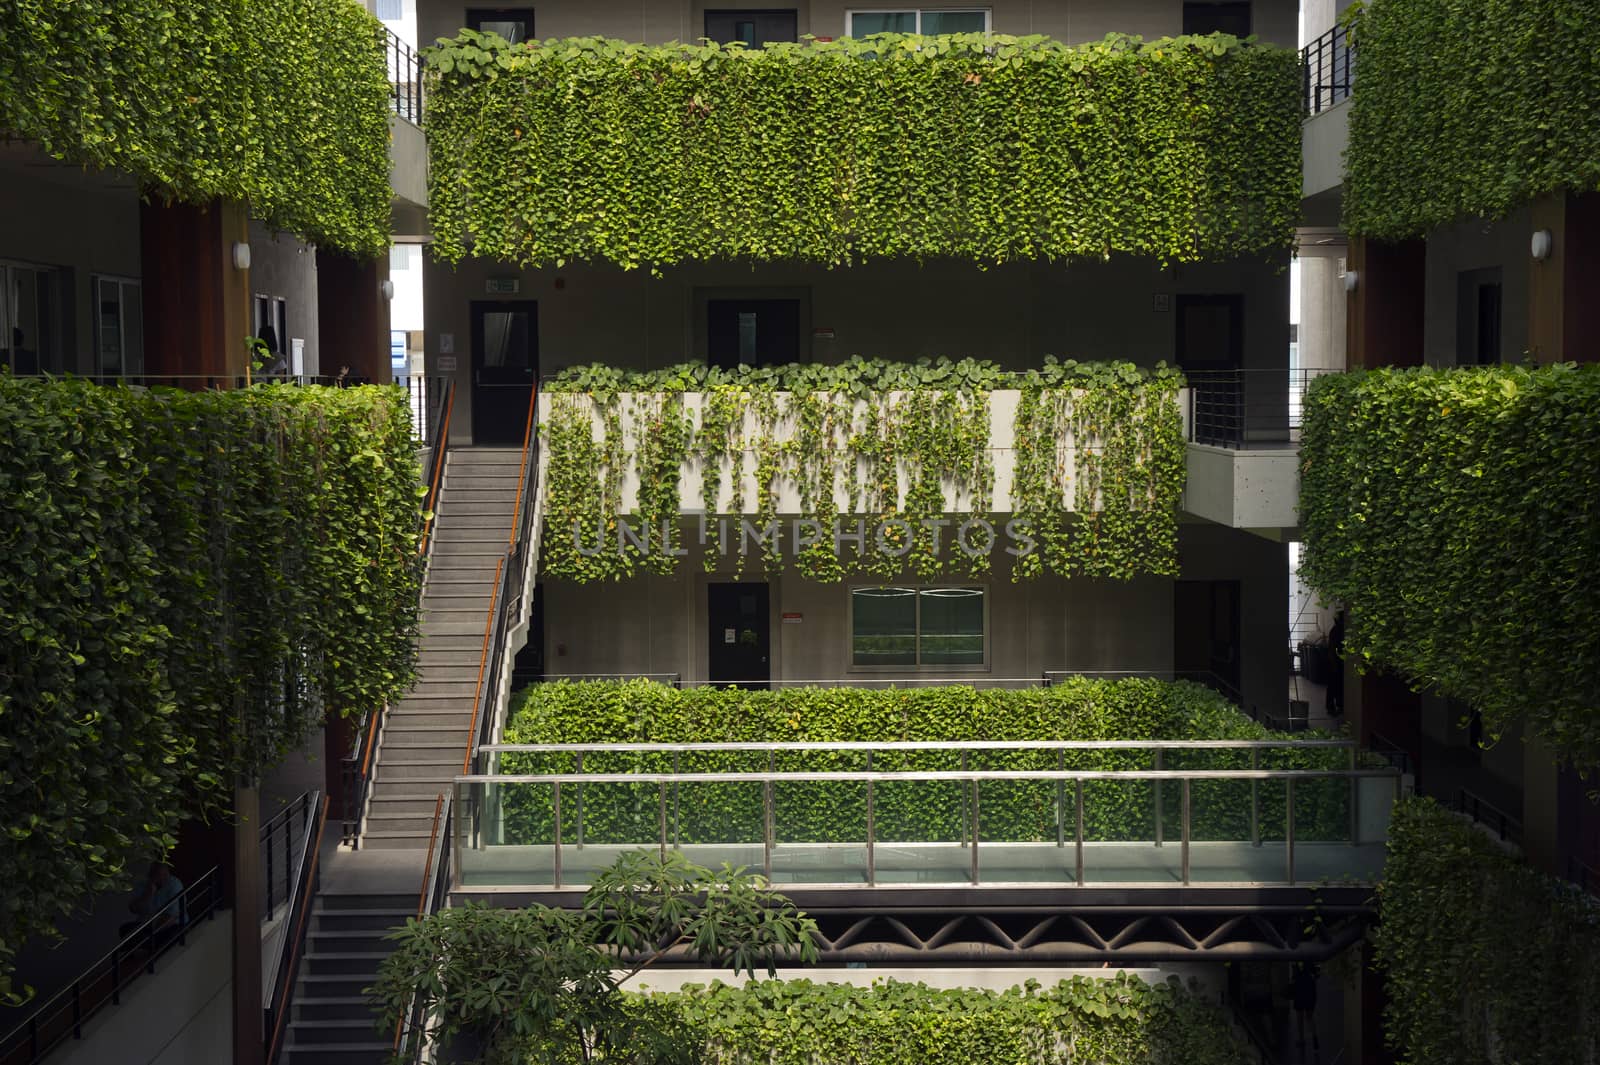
x: 1336, y: 673
x: 1303, y: 995
x: 160, y: 899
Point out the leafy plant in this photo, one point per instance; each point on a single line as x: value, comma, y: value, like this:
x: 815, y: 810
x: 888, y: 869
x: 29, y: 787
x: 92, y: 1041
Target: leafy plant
x: 1507, y: 126
x: 190, y: 581
x: 1486, y: 961
x: 1454, y: 513
x: 546, y: 984
x: 281, y: 104
x: 983, y: 147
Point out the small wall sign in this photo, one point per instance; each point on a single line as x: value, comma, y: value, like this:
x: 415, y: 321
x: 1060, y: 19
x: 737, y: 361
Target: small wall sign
x: 793, y: 618
x: 446, y: 363
x: 1162, y: 303
x: 730, y: 636
x: 503, y: 286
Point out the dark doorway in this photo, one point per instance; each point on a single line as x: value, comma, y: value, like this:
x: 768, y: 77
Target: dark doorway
x: 505, y: 364
x: 1479, y: 305
x: 515, y: 24
x: 1231, y: 18
x: 1210, y: 349
x: 740, y: 634
x: 754, y: 332
x: 754, y: 28
x: 1205, y: 636
x: 528, y: 667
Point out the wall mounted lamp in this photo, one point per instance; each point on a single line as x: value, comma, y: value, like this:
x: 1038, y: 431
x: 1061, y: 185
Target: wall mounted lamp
x: 1542, y: 244
x: 241, y: 255
x: 386, y: 288
x: 1351, y: 280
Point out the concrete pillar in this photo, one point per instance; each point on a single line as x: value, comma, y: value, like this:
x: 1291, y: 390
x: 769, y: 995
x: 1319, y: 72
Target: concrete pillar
x: 196, y: 302
x: 353, y: 316
x: 1363, y: 1011
x: 1322, y: 311
x: 248, y: 1042
x: 1385, y: 312
x: 1563, y: 314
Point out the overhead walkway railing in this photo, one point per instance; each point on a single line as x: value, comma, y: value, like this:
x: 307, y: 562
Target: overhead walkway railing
x: 1328, y: 64
x: 848, y: 815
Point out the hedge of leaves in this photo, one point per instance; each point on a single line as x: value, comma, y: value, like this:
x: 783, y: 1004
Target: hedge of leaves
x: 187, y: 581
x: 1457, y: 514
x: 1078, y: 709
x: 279, y: 103
x: 796, y: 1022
x: 983, y: 147
x: 1469, y: 109
x: 1097, y: 486
x: 1486, y: 960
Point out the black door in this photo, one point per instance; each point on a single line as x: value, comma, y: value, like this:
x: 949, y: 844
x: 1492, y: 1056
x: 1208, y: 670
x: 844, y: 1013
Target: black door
x: 1205, y: 638
x: 515, y: 24
x: 740, y: 634
x: 505, y: 364
x: 528, y: 667
x: 754, y: 28
x: 1210, y: 349
x: 752, y: 332
x: 1204, y: 18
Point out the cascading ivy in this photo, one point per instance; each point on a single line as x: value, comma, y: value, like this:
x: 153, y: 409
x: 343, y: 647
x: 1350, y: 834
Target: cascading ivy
x: 188, y: 581
x: 282, y: 104
x: 1457, y: 514
x: 979, y: 146
x: 1509, y: 116
x: 904, y: 448
x: 1485, y: 959
x: 796, y: 1022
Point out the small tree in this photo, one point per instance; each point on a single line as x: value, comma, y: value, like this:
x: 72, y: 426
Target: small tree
x: 545, y: 984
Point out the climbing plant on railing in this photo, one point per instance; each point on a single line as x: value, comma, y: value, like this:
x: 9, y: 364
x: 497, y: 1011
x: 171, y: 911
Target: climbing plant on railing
x: 1454, y: 513
x: 189, y: 582
x: 1486, y: 960
x: 889, y: 461
x: 281, y: 104
x: 979, y: 146
x: 1510, y: 125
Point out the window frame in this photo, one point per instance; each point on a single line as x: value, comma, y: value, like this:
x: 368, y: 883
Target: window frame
x: 986, y: 666
x: 851, y: 13
x: 474, y: 17
x: 124, y: 284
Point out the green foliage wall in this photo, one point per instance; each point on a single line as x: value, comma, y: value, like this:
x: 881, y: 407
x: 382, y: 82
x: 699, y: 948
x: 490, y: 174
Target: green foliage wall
x: 982, y: 147
x: 1078, y: 709
x: 797, y: 1022
x: 1487, y: 961
x: 279, y: 103
x: 1467, y: 108
x: 1455, y: 513
x: 186, y: 581
x: 858, y: 431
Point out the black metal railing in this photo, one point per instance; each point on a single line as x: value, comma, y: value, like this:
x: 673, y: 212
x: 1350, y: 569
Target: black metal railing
x: 1241, y: 408
x: 355, y: 776
x: 405, y: 78
x: 425, y: 400
x: 280, y: 839
x: 63, y: 1015
x: 1486, y: 813
x: 1586, y: 877
x: 1390, y: 752
x: 409, y: 1037
x: 1328, y: 66
x: 304, y: 894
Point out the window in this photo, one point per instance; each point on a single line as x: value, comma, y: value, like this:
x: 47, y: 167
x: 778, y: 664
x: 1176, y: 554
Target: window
x: 118, y: 326
x: 1231, y: 18
x: 515, y: 24
x: 754, y: 28
x: 917, y: 626
x: 28, y: 318
x: 918, y: 20
x: 272, y: 326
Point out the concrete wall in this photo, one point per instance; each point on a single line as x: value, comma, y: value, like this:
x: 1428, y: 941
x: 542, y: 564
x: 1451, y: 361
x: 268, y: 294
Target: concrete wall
x: 657, y: 21
x: 285, y: 268
x: 1324, y: 139
x: 1477, y: 246
x: 656, y: 624
x: 1014, y: 314
x: 81, y: 223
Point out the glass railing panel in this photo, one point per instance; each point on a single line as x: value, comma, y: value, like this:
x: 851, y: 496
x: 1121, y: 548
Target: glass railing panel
x: 1341, y: 825
x: 1024, y: 827
x: 921, y: 827
x: 819, y: 831
x: 505, y: 834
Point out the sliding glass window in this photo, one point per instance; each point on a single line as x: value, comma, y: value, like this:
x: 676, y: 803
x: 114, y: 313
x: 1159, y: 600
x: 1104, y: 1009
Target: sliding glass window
x: 917, y: 626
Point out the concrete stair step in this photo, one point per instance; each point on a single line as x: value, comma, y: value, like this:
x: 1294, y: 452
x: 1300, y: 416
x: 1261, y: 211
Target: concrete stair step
x: 457, y: 642
x: 314, y: 985
x: 370, y: 1053
x: 323, y: 917
x: 420, y: 825
x: 381, y: 840
x: 331, y: 1008
x: 421, y: 805
x: 346, y: 963
x: 398, y: 735
x: 465, y: 522
x: 412, y: 790
x: 430, y: 687
x: 451, y: 550
x: 454, y: 719
x: 435, y: 771
x: 323, y: 1033
x: 436, y: 752
x: 451, y: 627
x: 351, y: 940
x: 367, y: 900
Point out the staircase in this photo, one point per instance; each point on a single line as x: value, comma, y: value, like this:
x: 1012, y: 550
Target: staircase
x: 426, y: 736
x: 331, y: 1022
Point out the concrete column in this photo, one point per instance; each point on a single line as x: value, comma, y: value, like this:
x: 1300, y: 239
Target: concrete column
x: 248, y: 1043
x: 1384, y: 326
x: 1563, y: 315
x: 1322, y: 312
x: 196, y: 302
x: 353, y: 316
x: 1363, y: 1011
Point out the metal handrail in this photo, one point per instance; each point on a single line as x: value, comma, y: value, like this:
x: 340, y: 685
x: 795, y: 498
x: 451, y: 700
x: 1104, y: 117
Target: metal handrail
x: 430, y: 899
x: 912, y: 745
x: 1328, y: 66
x: 405, y: 78
x: 891, y: 776
x: 284, y: 820
x: 278, y: 1011
x: 1236, y: 407
x: 35, y: 1035
x: 298, y: 899
x: 1486, y: 813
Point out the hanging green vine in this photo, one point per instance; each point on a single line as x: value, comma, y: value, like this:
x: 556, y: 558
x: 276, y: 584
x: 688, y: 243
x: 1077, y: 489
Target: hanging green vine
x: 1510, y: 91
x: 979, y: 146
x: 281, y: 104
x: 1099, y: 468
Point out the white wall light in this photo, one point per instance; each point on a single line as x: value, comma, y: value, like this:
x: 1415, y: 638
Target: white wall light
x: 1543, y: 243
x: 386, y: 287
x: 1351, y: 280
x: 241, y: 255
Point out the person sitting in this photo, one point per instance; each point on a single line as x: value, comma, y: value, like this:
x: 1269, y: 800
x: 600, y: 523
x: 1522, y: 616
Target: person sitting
x: 159, y: 901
